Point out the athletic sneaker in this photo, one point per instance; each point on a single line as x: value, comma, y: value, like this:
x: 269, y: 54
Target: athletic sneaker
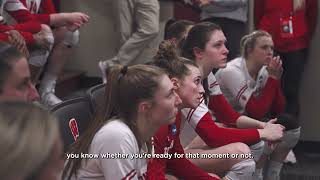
x: 291, y: 158
x: 49, y: 99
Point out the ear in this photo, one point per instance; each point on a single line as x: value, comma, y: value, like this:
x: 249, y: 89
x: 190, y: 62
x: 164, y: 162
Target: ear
x: 197, y: 52
x: 250, y: 50
x: 175, y: 83
x: 144, y: 106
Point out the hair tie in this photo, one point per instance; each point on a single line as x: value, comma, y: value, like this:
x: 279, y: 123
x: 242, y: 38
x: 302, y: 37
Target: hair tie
x: 123, y: 72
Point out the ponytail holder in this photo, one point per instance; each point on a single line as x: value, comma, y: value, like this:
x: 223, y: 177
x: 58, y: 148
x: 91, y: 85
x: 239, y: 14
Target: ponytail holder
x: 124, y: 70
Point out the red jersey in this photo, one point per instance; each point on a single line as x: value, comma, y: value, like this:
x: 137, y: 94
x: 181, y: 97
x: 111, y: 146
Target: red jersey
x: 273, y: 15
x: 26, y: 24
x: 167, y: 141
x: 41, y: 9
x: 253, y: 97
x: 201, y: 120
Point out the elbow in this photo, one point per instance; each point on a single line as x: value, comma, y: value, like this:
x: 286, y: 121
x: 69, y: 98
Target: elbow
x: 155, y: 30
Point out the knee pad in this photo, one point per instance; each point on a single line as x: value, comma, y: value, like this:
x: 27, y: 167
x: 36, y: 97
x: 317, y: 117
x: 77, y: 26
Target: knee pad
x: 243, y: 170
x: 38, y: 57
x: 288, y: 121
x: 290, y: 138
x: 257, y: 150
x: 71, y: 38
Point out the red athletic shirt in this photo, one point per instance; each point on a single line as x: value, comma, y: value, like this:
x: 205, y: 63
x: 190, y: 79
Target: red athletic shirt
x: 204, y: 125
x: 41, y: 9
x: 214, y: 136
x: 269, y: 16
x: 26, y: 24
x: 167, y: 140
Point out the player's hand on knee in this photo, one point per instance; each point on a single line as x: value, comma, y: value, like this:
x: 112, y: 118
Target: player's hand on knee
x: 272, y: 132
x: 17, y: 40
x: 76, y: 18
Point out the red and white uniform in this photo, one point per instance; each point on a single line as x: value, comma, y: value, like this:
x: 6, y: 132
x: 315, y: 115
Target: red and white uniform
x: 201, y: 120
x: 167, y: 140
x: 254, y: 98
x: 26, y: 10
x: 39, y: 6
x: 41, y: 9
x: 26, y: 24
x: 114, y: 137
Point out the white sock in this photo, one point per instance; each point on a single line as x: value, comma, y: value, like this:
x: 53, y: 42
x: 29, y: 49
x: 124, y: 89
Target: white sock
x: 48, y: 83
x: 258, y: 174
x: 273, y: 170
x: 243, y: 170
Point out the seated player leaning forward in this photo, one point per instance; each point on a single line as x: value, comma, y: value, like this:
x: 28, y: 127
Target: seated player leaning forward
x: 123, y: 127
x: 186, y: 79
x: 205, y: 44
x: 252, y: 84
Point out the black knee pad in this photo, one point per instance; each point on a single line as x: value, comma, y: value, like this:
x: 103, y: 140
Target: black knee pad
x: 288, y: 121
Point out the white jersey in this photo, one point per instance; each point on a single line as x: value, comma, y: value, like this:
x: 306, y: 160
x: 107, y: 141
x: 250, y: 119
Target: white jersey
x: 194, y: 116
x: 213, y: 85
x: 238, y: 86
x: 33, y: 6
x: 114, y: 138
x: 12, y: 5
x: 191, y: 118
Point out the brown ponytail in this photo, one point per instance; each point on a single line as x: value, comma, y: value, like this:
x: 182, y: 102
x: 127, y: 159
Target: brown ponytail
x: 126, y: 87
x: 168, y: 59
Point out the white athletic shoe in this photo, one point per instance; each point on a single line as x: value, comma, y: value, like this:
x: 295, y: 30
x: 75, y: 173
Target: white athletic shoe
x: 291, y: 158
x: 49, y: 99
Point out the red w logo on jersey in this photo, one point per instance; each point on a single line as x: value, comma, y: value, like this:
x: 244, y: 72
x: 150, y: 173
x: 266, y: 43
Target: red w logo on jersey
x: 74, y: 128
